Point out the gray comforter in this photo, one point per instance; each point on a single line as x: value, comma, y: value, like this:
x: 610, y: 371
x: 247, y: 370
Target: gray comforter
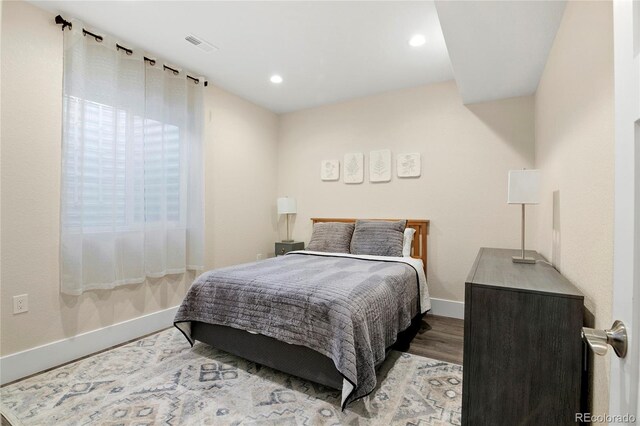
x: 348, y: 309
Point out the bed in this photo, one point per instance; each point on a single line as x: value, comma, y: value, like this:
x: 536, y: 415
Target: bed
x: 325, y: 317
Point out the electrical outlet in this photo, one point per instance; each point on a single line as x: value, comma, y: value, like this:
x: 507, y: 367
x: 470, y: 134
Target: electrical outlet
x: 20, y: 303
x: 259, y: 256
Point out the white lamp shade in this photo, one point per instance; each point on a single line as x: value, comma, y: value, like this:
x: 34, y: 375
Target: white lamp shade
x: 524, y: 187
x: 286, y: 205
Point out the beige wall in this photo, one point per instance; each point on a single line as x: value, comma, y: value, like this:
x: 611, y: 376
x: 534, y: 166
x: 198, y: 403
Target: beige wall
x: 238, y: 205
x: 240, y: 180
x: 574, y: 121
x: 466, y: 153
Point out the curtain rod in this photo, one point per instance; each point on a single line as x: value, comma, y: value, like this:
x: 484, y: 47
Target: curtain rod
x: 61, y: 21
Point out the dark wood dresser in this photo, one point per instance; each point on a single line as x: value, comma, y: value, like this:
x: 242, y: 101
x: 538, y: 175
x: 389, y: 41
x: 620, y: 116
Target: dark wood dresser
x: 523, y: 354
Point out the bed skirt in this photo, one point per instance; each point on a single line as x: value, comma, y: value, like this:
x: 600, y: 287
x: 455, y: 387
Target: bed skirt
x: 296, y: 360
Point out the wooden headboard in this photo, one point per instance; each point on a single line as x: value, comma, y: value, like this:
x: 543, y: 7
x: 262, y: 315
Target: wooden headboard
x: 419, y: 246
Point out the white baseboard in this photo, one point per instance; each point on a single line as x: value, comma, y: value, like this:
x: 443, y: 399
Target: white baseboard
x: 447, y: 308
x: 30, y: 361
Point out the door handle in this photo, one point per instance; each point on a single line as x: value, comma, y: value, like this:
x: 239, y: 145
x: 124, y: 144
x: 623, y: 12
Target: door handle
x: 616, y: 337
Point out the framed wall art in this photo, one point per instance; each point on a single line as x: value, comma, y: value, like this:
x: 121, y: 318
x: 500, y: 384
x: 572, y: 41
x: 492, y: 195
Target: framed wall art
x: 330, y: 170
x: 354, y: 168
x: 408, y: 165
x: 380, y: 166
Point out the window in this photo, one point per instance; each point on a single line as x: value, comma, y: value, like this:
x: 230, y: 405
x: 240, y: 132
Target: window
x: 131, y: 168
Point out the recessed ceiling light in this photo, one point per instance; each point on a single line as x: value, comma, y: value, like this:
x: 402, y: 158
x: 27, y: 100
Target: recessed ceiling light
x: 276, y: 79
x: 417, y: 40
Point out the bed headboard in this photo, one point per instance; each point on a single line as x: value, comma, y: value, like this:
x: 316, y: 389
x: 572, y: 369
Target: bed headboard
x: 419, y: 245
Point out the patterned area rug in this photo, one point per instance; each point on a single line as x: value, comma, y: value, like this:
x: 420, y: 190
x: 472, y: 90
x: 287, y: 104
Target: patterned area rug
x: 161, y: 380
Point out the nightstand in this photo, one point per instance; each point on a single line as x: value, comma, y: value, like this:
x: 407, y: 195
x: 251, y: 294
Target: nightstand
x: 284, y: 248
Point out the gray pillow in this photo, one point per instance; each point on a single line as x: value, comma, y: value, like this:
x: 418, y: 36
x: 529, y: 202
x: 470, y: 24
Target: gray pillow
x: 333, y: 237
x: 378, y: 238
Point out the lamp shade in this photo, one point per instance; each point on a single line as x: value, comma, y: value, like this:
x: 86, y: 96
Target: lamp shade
x: 286, y: 205
x: 524, y: 187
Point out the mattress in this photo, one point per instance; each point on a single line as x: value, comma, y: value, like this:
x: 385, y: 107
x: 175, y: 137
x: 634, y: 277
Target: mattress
x: 348, y: 308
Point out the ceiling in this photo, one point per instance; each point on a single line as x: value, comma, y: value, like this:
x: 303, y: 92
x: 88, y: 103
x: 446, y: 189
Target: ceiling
x: 498, y: 49
x: 325, y: 51
x: 328, y: 52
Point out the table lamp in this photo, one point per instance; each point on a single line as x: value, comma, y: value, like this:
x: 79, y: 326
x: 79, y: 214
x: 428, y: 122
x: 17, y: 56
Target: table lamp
x: 524, y: 188
x: 287, y: 206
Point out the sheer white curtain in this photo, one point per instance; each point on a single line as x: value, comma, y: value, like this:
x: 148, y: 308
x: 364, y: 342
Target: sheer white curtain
x: 132, y: 204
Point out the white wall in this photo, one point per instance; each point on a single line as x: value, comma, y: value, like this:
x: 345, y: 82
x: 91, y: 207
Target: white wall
x: 574, y: 122
x: 31, y: 115
x: 466, y: 154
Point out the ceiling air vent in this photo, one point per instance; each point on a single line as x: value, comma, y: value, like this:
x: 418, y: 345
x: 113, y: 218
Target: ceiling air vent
x: 200, y: 43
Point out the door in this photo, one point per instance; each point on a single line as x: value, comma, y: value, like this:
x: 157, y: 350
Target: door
x: 624, y: 388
